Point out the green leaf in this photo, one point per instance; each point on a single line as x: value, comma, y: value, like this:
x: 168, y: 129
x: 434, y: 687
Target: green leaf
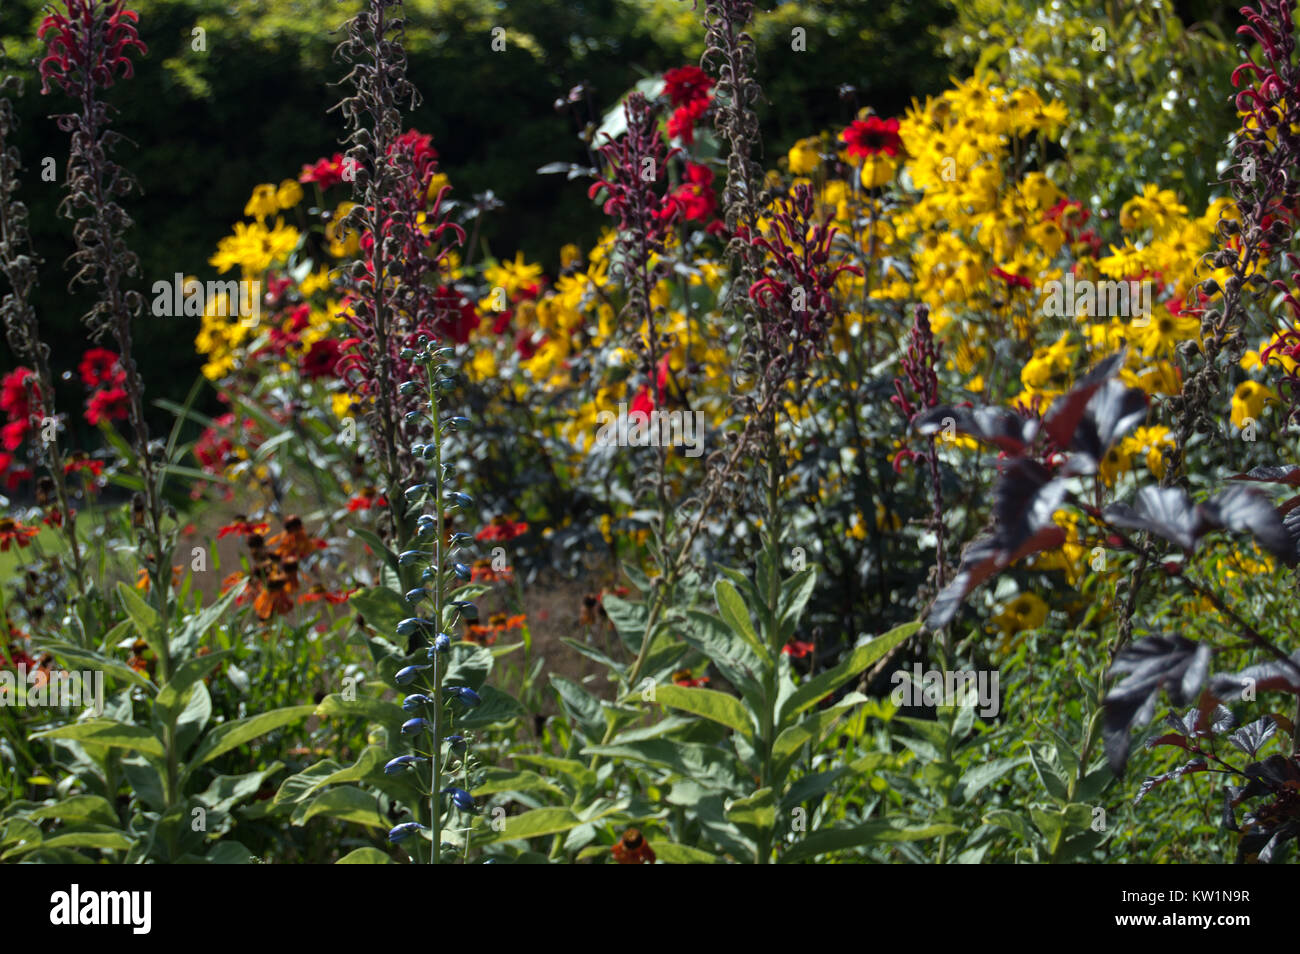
x: 533, y: 824
x: 172, y: 696
x: 497, y: 707
x: 736, y: 616
x: 74, y: 657
x: 346, y: 803
x: 977, y: 778
x: 78, y: 808
x: 872, y: 833
x: 196, y: 626
x: 582, y: 706
x: 112, y: 840
x: 671, y: 853
x: 365, y: 856
x: 231, y: 735
x: 373, y: 710
x: 230, y: 853
x: 811, y: 730
x: 1011, y: 821
x: 505, y: 780
x: 862, y: 657
x: 143, y: 616
x: 707, y: 703
x: 381, y: 608
x: 108, y: 732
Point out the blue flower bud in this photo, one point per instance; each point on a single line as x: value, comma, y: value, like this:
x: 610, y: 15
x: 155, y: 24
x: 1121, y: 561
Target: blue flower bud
x: 457, y: 742
x: 416, y: 490
x: 407, y: 676
x: 402, y: 763
x: 407, y: 354
x: 468, y: 697
x: 461, y: 798
x: 456, y: 423
x: 460, y: 538
x: 407, y: 388
x: 441, y: 643
x: 414, y: 726
x: 416, y: 595
x: 464, y: 500
x: 407, y: 557
x: 428, y: 574
x: 462, y: 570
x: 405, y: 830
x: 422, y: 339
x: 417, y: 450
x: 467, y: 609
x: 413, y: 702
x: 430, y: 451
x: 444, y: 352
x: 414, y: 417
x: 413, y: 625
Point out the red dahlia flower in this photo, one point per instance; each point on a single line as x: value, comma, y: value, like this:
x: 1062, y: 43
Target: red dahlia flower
x: 98, y: 367
x: 871, y: 136
x: 687, y: 84
x: 106, y: 405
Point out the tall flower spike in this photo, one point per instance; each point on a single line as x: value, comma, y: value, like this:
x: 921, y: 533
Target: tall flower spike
x: 88, y: 46
x: 20, y: 265
x: 404, y: 239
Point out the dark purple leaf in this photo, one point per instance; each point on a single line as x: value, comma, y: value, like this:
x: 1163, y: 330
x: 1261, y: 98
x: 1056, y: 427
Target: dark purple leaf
x: 1288, y: 474
x: 1251, y: 738
x: 1004, y: 429
x: 979, y: 561
x: 1113, y: 411
x: 1271, y: 676
x: 1024, y: 500
x: 1175, y: 663
x: 1066, y: 413
x: 1167, y: 512
x: 1241, y: 508
x: 1151, y: 781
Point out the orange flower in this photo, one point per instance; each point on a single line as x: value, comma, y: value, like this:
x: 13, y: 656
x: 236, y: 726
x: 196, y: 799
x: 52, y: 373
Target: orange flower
x: 277, y: 597
x: 633, y: 849
x: 241, y: 527
x: 318, y: 592
x: 483, y: 572
x: 682, y: 677
x: 294, y: 541
x: 11, y: 531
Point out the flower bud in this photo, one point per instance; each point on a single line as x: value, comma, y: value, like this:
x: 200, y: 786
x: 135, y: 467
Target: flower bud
x: 413, y: 624
x: 405, y: 830
x: 416, y: 595
x: 468, y: 697
x: 414, y: 726
x: 407, y: 557
x: 460, y: 798
x: 413, y: 702
x: 405, y: 677
x: 402, y: 763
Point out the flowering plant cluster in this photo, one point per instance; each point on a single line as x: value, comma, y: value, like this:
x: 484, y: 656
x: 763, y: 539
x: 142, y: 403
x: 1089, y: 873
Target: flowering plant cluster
x: 679, y: 547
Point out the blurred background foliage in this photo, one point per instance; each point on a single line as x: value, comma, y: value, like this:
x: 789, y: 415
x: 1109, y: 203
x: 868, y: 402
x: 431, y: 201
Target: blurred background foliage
x: 253, y: 107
